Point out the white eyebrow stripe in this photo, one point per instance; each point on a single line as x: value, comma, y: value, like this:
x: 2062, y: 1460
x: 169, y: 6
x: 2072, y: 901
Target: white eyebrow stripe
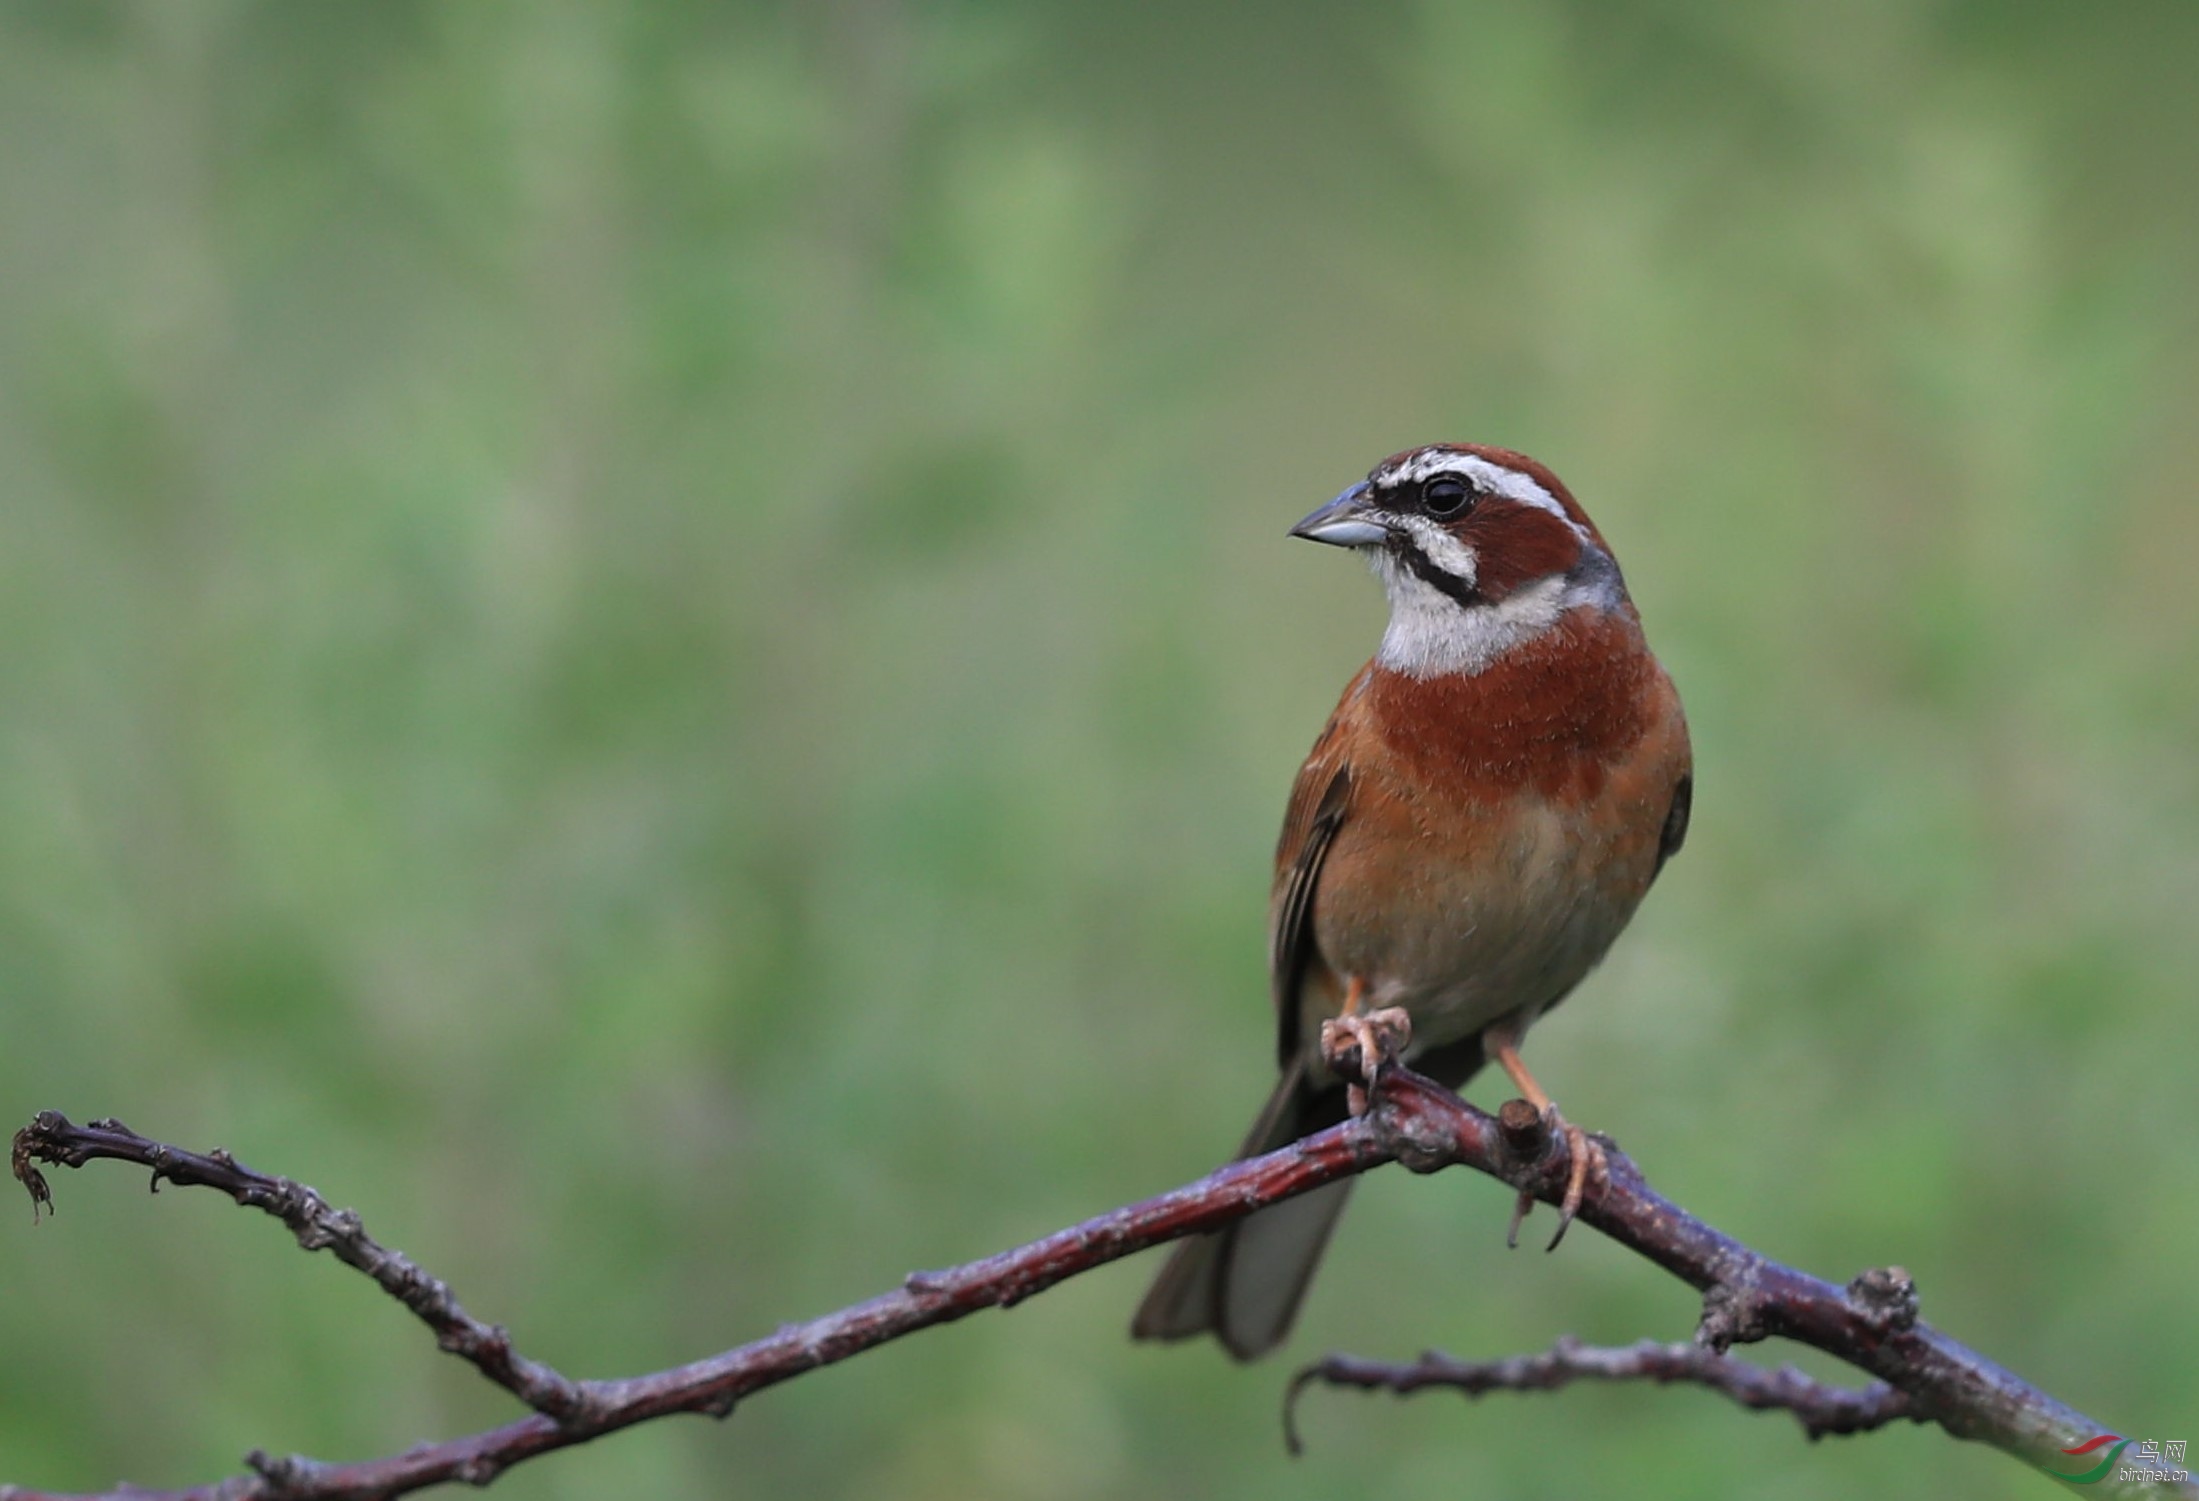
x: 1487, y: 476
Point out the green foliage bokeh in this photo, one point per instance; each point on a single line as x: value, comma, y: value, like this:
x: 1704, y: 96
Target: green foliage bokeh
x: 654, y: 643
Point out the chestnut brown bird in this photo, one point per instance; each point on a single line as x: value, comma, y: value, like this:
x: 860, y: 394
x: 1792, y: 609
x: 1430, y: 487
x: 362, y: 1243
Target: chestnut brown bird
x: 1489, y: 803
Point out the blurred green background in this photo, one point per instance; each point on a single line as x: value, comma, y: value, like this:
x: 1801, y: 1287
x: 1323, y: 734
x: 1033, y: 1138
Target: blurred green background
x: 655, y: 644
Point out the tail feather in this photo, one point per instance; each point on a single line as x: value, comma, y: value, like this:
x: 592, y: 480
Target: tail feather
x: 1244, y: 1283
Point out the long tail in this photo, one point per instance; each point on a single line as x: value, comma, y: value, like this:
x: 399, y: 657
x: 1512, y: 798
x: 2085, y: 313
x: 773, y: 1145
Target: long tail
x: 1244, y: 1283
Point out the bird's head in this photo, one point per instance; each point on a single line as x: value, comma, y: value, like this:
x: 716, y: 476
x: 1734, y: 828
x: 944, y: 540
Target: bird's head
x: 1481, y: 550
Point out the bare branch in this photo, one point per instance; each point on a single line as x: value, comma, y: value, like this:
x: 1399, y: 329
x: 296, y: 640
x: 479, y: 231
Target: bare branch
x: 52, y: 1137
x: 1820, y: 1408
x: 1871, y: 1324
x: 715, y: 1385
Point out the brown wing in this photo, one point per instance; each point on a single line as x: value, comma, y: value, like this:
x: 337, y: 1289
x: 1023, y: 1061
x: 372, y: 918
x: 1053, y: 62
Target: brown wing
x: 1318, y: 802
x: 1676, y: 816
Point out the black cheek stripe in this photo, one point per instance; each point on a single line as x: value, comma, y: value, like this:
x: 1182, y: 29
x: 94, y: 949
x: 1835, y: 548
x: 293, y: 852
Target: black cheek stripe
x: 1424, y: 568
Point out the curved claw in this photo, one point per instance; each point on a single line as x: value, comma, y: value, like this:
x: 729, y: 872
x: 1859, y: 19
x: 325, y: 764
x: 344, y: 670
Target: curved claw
x: 1586, y: 1156
x: 1521, y: 1207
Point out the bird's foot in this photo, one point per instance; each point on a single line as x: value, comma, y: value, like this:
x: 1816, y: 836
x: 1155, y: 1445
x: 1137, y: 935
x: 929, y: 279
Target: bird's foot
x: 1585, y: 1159
x: 1364, y: 1043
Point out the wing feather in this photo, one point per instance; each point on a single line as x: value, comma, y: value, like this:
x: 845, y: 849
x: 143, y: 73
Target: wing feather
x: 1675, y: 830
x: 1319, y: 801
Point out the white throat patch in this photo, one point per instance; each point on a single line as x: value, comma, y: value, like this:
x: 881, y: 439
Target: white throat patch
x: 1431, y: 634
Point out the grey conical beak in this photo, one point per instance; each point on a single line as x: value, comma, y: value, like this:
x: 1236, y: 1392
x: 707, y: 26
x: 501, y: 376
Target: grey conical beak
x: 1346, y: 521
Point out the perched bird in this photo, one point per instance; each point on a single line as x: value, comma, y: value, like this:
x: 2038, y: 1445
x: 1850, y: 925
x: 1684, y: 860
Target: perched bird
x: 1485, y: 809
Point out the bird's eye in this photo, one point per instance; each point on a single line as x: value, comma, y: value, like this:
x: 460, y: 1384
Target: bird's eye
x: 1445, y: 496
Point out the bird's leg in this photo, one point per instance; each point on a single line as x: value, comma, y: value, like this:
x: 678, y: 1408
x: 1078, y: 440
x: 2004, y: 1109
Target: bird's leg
x: 1378, y: 1035
x: 1501, y: 1042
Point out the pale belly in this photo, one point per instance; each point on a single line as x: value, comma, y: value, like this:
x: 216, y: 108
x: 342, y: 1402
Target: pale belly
x: 1461, y: 943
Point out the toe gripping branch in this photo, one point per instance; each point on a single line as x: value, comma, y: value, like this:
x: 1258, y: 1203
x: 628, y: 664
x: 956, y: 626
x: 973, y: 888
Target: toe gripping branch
x: 1361, y: 1046
x: 1524, y: 1134
x: 1536, y: 1147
